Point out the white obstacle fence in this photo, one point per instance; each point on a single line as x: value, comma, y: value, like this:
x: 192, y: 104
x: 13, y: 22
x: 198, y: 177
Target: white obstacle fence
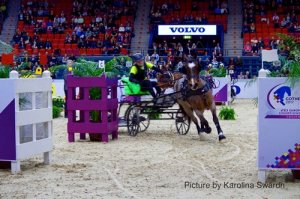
x: 33, y: 118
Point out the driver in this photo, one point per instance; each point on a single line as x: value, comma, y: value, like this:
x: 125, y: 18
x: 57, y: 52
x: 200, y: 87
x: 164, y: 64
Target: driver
x: 138, y: 74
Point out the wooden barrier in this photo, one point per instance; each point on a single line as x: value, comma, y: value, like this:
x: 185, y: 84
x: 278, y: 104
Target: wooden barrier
x: 25, y: 118
x: 80, y: 107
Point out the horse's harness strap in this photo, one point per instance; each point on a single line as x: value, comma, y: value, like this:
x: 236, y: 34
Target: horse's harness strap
x: 198, y: 91
x: 209, y: 80
x: 188, y: 92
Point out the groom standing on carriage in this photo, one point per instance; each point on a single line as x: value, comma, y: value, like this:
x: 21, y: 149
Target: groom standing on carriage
x: 138, y: 75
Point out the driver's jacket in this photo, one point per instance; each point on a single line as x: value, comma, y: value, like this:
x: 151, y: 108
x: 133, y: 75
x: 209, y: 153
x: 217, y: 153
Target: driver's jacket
x: 140, y: 73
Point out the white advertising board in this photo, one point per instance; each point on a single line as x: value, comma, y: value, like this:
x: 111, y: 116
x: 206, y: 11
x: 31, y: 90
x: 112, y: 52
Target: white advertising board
x: 187, y: 30
x: 278, y: 124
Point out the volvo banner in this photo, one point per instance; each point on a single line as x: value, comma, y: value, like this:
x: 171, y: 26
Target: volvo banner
x: 187, y: 30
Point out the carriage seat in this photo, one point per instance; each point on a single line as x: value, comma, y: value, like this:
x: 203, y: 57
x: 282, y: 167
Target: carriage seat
x: 131, y: 88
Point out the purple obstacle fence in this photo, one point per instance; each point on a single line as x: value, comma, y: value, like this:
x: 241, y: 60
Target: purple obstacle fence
x: 80, y: 107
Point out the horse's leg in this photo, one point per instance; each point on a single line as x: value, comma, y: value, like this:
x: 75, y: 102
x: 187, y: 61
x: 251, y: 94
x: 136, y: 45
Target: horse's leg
x: 216, y: 121
x: 199, y: 123
x: 202, y: 124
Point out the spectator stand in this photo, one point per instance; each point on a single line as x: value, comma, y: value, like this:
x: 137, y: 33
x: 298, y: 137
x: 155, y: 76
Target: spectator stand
x: 266, y: 20
x: 86, y: 25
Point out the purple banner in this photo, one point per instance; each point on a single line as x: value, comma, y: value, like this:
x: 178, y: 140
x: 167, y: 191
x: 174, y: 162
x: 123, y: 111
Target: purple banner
x: 221, y: 96
x: 7, y: 133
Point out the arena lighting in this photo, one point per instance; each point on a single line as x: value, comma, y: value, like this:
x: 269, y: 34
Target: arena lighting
x: 187, y: 30
x: 187, y: 37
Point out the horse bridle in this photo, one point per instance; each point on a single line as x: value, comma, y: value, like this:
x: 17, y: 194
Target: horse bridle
x: 193, y: 77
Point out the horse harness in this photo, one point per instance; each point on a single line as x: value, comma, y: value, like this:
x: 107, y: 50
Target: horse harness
x: 188, y: 92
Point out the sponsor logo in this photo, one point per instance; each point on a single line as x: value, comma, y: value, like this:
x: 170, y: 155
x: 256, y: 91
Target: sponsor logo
x: 236, y: 89
x: 284, y: 102
x: 281, y: 95
x: 187, y: 29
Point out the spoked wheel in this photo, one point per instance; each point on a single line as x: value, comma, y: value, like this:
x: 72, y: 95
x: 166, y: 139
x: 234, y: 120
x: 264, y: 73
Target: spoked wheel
x: 132, y: 118
x: 182, y: 123
x: 144, y: 121
x: 136, y: 121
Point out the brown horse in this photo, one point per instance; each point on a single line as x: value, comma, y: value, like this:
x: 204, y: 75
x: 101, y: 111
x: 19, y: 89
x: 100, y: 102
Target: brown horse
x: 199, y: 96
x: 196, y: 96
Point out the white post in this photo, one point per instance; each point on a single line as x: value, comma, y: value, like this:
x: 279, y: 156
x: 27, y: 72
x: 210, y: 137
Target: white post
x: 262, y: 175
x: 228, y: 90
x: 263, y: 73
x: 47, y: 158
x: 15, y: 166
x: 13, y: 74
x: 46, y: 74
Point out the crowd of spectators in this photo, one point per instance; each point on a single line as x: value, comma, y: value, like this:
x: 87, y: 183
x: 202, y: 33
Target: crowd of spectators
x: 98, y: 24
x: 31, y: 62
x: 3, y: 12
x: 158, y: 12
x: 194, y: 47
x: 170, y: 56
x: 274, y: 14
x: 262, y: 19
x: 91, y: 24
x: 188, y: 12
x: 174, y: 62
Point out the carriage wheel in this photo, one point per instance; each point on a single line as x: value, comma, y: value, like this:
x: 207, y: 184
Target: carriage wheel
x: 144, y: 122
x: 182, y: 123
x: 132, y: 118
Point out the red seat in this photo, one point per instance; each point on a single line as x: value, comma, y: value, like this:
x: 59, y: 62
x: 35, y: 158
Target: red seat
x: 68, y: 46
x: 49, y: 51
x: 82, y: 51
x: 50, y: 37
x: 89, y: 51
x: 96, y: 51
x: 62, y: 51
x: 42, y: 51
x: 61, y: 45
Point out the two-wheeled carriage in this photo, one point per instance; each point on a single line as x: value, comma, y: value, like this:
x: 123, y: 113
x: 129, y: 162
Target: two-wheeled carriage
x: 139, y: 111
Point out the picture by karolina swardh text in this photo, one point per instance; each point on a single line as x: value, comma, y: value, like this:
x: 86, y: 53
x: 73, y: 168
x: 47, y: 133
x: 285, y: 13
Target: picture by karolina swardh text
x: 233, y: 185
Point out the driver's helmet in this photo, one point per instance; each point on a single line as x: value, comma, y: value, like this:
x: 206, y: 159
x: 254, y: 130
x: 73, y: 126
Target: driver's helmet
x: 137, y: 57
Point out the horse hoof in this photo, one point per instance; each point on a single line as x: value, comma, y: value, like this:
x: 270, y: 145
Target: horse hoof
x: 200, y: 130
x: 202, y: 137
x: 208, y: 130
x: 222, y: 138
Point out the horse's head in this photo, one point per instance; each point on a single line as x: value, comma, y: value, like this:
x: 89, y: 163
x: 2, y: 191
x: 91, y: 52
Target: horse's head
x: 192, y: 74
